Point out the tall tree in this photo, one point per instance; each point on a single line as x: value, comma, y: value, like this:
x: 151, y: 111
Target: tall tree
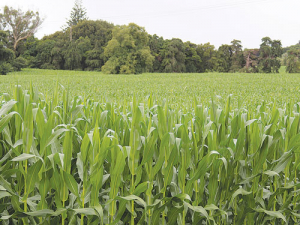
x: 293, y: 62
x: 5, y: 54
x: 44, y: 56
x: 173, y: 54
x: 128, y: 51
x: 238, y: 60
x: 224, y: 58
x: 270, y: 51
x: 208, y: 56
x: 84, y: 52
x: 77, y: 15
x: 192, y: 59
x: 19, y: 24
x: 94, y: 59
x: 75, y: 55
x: 156, y: 44
x: 98, y: 31
x: 231, y: 57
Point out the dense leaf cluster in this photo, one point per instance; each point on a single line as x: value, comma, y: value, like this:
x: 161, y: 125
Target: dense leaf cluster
x: 99, y: 45
x: 15, y: 27
x: 291, y: 58
x: 129, y: 49
x: 8, y: 62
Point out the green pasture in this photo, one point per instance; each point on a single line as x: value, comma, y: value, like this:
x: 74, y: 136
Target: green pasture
x: 179, y: 89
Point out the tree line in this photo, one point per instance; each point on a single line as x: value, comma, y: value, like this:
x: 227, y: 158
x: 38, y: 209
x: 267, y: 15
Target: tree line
x: 127, y: 49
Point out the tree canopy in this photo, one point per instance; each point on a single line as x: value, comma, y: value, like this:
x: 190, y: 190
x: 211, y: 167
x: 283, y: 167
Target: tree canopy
x: 77, y: 14
x: 123, y: 49
x: 21, y: 25
x: 293, y: 61
x: 128, y: 51
x: 6, y: 54
x: 270, y: 51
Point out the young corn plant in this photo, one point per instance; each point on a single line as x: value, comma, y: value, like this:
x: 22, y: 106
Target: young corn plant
x: 79, y: 161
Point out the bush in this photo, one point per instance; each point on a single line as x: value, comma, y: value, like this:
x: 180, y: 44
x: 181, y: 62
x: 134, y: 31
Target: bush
x: 5, y: 68
x: 19, y: 63
x: 48, y: 66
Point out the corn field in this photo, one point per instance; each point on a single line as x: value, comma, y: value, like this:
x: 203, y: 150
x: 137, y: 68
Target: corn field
x: 78, y: 161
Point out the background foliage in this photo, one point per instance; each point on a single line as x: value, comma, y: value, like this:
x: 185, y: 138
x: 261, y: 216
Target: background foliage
x: 128, y: 49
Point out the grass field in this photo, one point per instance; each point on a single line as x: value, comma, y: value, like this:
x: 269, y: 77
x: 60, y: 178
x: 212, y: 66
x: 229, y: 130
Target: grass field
x: 149, y: 149
x: 177, y: 89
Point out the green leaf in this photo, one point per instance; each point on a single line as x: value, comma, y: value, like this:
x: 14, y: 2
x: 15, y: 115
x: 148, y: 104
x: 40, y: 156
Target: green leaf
x: 5, y: 120
x: 85, y: 211
x: 6, y: 107
x: 282, y: 162
x: 199, y: 209
x: 173, y: 213
x: 99, y: 211
x: 71, y: 183
x: 54, y: 136
x: 239, y: 191
x: 270, y: 173
x: 32, y: 177
x: 4, y: 194
x: 23, y: 157
x: 250, y: 122
x: 141, y: 188
x: 211, y: 207
x: 133, y: 197
x: 276, y: 214
x: 40, y: 213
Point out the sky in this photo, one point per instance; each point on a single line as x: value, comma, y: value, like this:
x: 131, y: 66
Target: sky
x: 198, y: 21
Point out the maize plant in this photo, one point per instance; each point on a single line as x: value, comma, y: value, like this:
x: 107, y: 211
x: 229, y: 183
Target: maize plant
x: 79, y: 161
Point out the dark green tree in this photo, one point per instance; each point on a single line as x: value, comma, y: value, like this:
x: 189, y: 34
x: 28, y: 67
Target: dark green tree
x: 99, y: 32
x: 237, y: 60
x: 55, y: 51
x: 231, y: 57
x: 128, y: 51
x: 293, y: 62
x: 192, y: 59
x: 78, y: 14
x: 19, y: 63
x: 94, y: 59
x: 224, y: 58
x: 27, y: 49
x: 75, y: 54
x: 270, y: 51
x: 57, y: 54
x: 5, y: 54
x: 44, y: 57
x: 156, y: 44
x: 173, y: 56
x: 208, y: 56
x: 50, y: 51
x: 72, y: 56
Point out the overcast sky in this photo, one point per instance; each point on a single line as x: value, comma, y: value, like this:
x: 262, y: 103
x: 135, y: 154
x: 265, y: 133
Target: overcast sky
x: 198, y: 21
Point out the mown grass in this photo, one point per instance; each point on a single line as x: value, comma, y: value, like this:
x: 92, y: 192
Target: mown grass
x: 177, y: 89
